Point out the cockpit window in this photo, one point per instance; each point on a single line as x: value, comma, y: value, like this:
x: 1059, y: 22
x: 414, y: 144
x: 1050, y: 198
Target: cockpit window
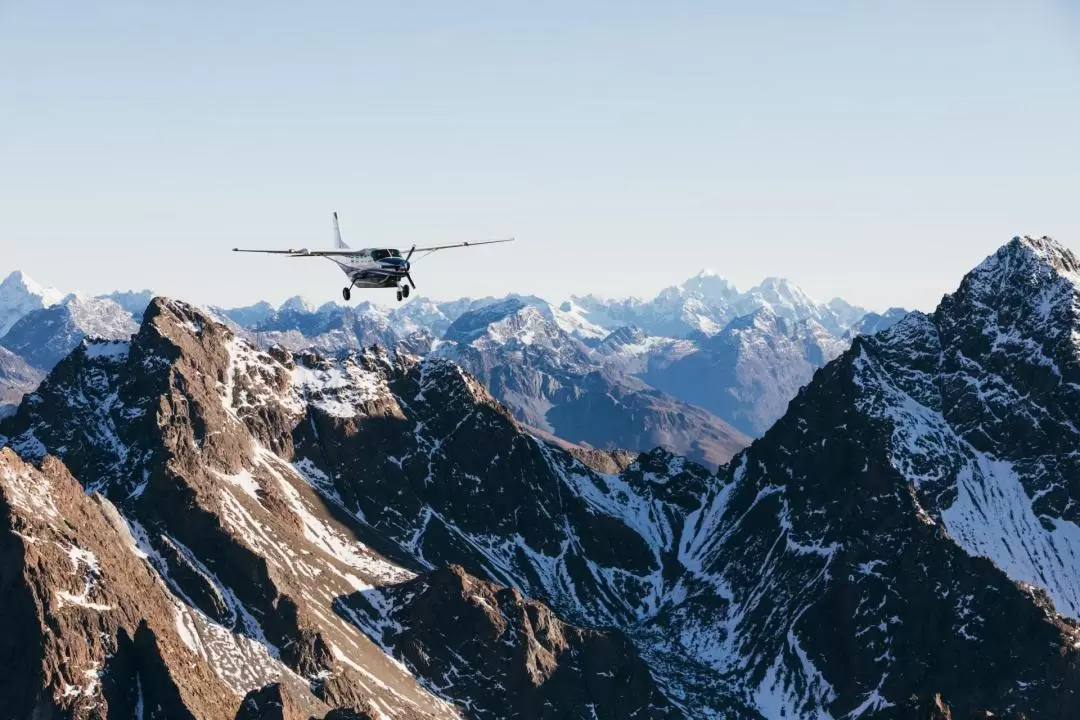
x: 383, y: 254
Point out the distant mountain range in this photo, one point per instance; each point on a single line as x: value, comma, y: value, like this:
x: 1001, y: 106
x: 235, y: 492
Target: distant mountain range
x: 699, y: 369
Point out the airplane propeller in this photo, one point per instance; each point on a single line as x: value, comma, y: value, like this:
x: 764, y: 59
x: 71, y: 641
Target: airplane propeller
x: 408, y: 276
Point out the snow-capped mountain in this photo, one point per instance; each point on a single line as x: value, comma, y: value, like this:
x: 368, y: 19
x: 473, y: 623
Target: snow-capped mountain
x: 902, y: 543
x: 872, y: 323
x: 747, y: 374
x: 247, y: 316
x: 706, y: 303
x: 19, y: 295
x: 44, y: 337
x: 134, y: 301
x: 904, y: 538
x: 551, y: 382
x: 632, y: 351
x: 298, y: 305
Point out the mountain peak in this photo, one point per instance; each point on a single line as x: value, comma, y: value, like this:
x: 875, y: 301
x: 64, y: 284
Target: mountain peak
x: 1047, y: 250
x: 297, y: 304
x: 19, y: 295
x: 1021, y: 267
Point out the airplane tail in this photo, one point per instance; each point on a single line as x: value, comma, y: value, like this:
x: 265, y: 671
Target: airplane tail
x: 338, y: 242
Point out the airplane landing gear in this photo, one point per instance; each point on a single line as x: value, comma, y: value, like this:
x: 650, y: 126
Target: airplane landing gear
x: 399, y: 295
x: 346, y: 293
x: 405, y: 291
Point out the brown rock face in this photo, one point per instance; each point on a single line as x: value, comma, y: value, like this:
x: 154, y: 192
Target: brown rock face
x: 87, y: 628
x: 506, y: 655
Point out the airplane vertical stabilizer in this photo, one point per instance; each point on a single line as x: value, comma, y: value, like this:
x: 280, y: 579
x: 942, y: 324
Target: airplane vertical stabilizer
x: 338, y: 242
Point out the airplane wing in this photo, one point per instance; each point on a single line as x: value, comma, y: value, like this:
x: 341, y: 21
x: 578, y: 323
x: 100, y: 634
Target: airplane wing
x: 461, y: 245
x: 303, y: 252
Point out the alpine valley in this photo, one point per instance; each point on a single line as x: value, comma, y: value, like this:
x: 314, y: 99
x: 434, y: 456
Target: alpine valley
x: 712, y: 504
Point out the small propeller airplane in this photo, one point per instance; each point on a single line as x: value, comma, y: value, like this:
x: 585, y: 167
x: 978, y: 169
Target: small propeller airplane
x: 371, y: 267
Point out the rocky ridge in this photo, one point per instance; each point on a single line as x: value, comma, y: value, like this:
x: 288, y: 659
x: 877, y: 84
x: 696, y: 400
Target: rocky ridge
x: 206, y: 447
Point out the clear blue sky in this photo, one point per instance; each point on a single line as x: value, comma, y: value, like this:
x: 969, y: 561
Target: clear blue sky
x: 873, y: 150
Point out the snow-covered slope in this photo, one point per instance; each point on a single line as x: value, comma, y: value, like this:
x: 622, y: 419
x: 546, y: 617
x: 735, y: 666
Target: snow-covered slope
x: 19, y: 295
x: 44, y: 337
x: 748, y: 373
x: 904, y: 538
x: 134, y: 301
x: 872, y: 323
x: 706, y: 303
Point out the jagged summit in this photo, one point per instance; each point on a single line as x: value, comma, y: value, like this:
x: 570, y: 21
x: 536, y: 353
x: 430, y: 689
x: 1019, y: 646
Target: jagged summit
x: 1026, y: 255
x: 297, y: 304
x: 20, y: 295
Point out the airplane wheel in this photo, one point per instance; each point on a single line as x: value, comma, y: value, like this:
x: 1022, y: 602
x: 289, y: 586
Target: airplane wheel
x: 405, y: 291
x: 346, y: 293
x: 399, y: 296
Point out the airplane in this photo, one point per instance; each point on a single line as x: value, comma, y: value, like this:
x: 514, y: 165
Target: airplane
x: 371, y: 267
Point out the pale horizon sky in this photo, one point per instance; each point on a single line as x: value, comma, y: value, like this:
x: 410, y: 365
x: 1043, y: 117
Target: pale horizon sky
x: 869, y: 150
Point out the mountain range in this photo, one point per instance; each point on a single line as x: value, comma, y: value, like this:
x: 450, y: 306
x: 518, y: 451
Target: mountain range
x: 590, y: 380
x: 204, y: 528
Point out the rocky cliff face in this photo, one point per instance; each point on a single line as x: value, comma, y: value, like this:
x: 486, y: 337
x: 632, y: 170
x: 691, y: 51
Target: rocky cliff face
x: 221, y: 471
x: 508, y: 655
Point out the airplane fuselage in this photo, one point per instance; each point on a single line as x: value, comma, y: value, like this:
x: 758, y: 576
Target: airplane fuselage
x: 375, y: 268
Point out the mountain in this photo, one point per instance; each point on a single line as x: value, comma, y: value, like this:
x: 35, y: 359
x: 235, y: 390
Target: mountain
x: 16, y: 379
x: 902, y: 543
x: 297, y: 304
x: 338, y: 329
x: 747, y: 374
x: 846, y: 315
x: 787, y: 300
x: 631, y: 350
x: 904, y: 538
x: 19, y: 295
x: 247, y: 316
x: 706, y: 303
x: 251, y: 519
x: 134, y: 301
x: 872, y: 323
x: 44, y: 337
x: 551, y: 382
